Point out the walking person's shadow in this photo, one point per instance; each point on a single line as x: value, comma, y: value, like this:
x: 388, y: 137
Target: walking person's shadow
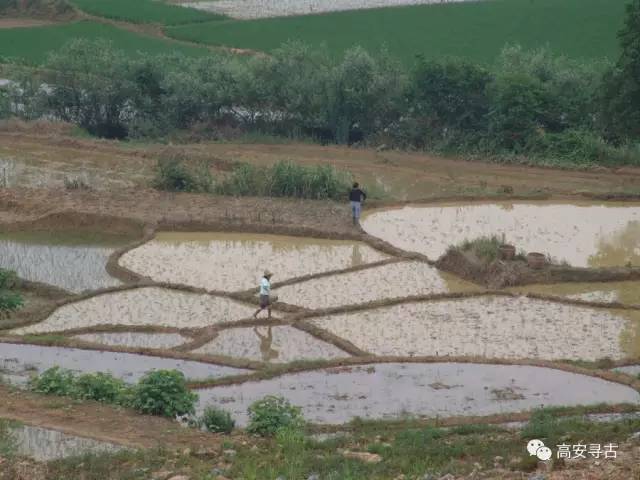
x: 266, y: 342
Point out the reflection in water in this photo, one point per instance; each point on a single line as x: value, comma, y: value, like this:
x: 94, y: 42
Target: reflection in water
x: 233, y: 261
x: 580, y: 233
x: 391, y: 390
x: 266, y: 341
x: 279, y: 344
x: 70, y: 262
x: 43, y: 445
x: 619, y: 248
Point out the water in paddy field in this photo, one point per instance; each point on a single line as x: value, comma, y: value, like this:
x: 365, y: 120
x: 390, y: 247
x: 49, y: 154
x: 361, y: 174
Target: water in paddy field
x: 584, y: 234
x: 152, y: 306
x: 627, y: 293
x: 43, y: 445
x: 72, y: 261
x: 394, y: 280
x: 394, y: 390
x: 19, y: 362
x: 492, y: 327
x: 236, y: 261
x: 271, y: 344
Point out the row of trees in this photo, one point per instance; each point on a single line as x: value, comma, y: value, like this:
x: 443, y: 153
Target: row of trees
x: 529, y: 102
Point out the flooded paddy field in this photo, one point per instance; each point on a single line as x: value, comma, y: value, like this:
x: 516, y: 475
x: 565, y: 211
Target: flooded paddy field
x: 135, y: 339
x: 633, y: 370
x: 233, y: 261
x: 394, y: 390
x: 493, y: 327
x: 43, y: 445
x: 384, y: 282
x: 583, y: 234
x: 19, y: 362
x: 74, y: 262
x: 154, y: 306
x: 626, y: 293
x: 271, y: 344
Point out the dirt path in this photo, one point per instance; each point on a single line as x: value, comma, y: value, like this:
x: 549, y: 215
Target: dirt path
x: 402, y: 176
x: 101, y: 422
x: 22, y: 23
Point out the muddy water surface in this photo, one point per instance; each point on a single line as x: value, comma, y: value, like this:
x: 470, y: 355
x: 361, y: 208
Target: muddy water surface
x: 143, y: 306
x: 135, y: 339
x: 377, y: 283
x: 582, y: 234
x: 494, y: 327
x: 44, y: 445
x: 630, y: 370
x: 335, y: 396
x: 627, y: 293
x: 271, y: 344
x: 232, y: 261
x: 75, y: 262
x: 19, y: 362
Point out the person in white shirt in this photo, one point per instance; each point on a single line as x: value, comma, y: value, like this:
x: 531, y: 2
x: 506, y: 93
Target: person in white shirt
x: 265, y: 292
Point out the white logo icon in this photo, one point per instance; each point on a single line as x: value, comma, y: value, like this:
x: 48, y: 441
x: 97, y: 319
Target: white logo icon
x: 536, y: 447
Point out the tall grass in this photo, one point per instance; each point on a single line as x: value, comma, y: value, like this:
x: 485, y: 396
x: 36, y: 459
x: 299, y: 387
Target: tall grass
x: 286, y: 179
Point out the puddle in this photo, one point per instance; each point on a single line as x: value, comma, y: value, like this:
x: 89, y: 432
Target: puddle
x: 493, y: 327
x: 627, y: 293
x: 75, y: 262
x: 633, y: 370
x: 392, y: 390
x: 19, y: 362
x: 143, y: 306
x: 582, y: 234
x: 271, y: 344
x: 377, y: 283
x: 44, y: 445
x: 232, y: 261
x: 135, y: 339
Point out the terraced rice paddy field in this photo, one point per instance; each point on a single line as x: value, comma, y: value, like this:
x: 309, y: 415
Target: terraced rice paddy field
x: 380, y: 331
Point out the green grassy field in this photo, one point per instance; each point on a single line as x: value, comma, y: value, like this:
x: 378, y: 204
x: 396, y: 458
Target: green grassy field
x: 476, y: 30
x: 144, y: 11
x: 34, y: 44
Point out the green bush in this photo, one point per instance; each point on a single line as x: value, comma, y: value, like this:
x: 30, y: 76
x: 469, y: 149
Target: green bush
x: 485, y: 248
x: 272, y: 413
x: 217, y: 420
x: 101, y: 387
x: 173, y: 175
x: 165, y: 393
x: 54, y: 381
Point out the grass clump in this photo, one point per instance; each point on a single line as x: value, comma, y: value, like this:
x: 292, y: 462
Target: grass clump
x: 165, y: 393
x: 10, y: 300
x: 485, y: 248
x: 216, y: 420
x: 272, y: 413
x: 174, y: 175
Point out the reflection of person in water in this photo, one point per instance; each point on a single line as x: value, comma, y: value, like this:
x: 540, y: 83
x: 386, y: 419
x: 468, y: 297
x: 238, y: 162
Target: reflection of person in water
x: 356, y: 256
x: 266, y: 341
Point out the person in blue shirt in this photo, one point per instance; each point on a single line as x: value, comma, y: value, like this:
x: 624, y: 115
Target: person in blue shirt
x: 356, y: 197
x: 265, y: 292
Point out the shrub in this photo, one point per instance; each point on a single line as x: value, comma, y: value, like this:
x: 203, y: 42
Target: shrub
x: 173, y: 175
x: 217, y: 420
x: 54, y: 381
x: 485, y: 248
x: 101, y: 387
x: 164, y: 392
x: 272, y: 413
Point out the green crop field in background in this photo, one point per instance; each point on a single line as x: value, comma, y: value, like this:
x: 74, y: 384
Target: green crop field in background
x: 474, y: 30
x: 34, y: 44
x: 144, y: 11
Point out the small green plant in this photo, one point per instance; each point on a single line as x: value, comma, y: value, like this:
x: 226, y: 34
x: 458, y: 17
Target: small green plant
x: 217, y: 420
x: 272, y: 413
x: 54, y: 381
x: 164, y: 392
x: 101, y: 387
x: 173, y: 175
x: 485, y: 248
x: 10, y: 300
